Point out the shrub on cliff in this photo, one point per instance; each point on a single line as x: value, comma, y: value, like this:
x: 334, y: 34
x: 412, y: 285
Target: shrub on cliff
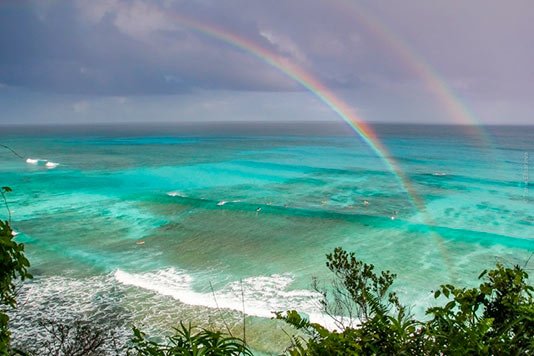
x: 497, y: 317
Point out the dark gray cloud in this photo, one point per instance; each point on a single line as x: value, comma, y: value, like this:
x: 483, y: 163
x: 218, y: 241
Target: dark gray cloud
x: 482, y: 50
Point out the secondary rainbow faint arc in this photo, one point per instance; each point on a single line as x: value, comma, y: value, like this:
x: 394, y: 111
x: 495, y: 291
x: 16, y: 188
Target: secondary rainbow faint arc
x: 448, y: 99
x: 315, y: 87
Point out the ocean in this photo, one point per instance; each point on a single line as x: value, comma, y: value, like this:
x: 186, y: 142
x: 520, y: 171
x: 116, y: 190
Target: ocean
x: 152, y: 224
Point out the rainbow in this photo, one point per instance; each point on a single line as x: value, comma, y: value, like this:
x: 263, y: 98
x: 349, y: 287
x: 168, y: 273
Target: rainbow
x: 450, y: 102
x: 325, y: 95
x: 339, y: 107
x: 314, y: 86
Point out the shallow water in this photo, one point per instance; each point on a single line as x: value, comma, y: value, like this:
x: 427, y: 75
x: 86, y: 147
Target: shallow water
x: 168, y: 214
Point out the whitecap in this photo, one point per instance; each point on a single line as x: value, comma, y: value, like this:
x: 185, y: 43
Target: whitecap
x: 176, y: 194
x: 36, y: 161
x: 64, y: 299
x: 42, y: 162
x: 262, y: 294
x: 51, y: 165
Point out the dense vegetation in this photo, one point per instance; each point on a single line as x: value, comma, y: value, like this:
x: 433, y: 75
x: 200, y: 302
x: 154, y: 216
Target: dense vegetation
x: 497, y: 317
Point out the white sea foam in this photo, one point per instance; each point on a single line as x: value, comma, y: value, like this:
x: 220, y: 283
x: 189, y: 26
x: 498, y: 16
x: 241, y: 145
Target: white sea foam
x: 222, y: 202
x: 117, y: 300
x: 177, y: 194
x: 65, y: 299
x: 42, y: 162
x: 262, y: 295
x: 36, y: 161
x: 148, y: 299
x: 51, y: 165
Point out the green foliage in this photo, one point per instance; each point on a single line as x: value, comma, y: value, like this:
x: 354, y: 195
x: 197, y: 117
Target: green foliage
x: 358, y: 292
x: 495, y: 318
x: 13, y: 266
x: 186, y: 342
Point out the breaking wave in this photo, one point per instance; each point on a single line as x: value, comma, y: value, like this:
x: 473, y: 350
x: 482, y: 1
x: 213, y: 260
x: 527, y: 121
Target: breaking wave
x: 42, y: 162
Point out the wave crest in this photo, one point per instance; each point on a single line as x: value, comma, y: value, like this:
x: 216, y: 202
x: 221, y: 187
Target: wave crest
x: 262, y: 295
x: 42, y: 162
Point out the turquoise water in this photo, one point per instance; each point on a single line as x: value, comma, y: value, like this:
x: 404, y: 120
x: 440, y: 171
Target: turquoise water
x: 154, y: 221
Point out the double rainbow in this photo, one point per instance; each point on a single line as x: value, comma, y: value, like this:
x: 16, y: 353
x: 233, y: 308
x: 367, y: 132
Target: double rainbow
x: 339, y: 107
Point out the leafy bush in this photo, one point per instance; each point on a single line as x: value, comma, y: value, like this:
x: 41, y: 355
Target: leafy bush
x: 495, y: 318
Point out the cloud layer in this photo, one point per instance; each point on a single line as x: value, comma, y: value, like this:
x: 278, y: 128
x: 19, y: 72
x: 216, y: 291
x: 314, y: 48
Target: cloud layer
x: 482, y: 50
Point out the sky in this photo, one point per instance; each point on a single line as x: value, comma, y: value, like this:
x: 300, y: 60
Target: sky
x: 419, y: 61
